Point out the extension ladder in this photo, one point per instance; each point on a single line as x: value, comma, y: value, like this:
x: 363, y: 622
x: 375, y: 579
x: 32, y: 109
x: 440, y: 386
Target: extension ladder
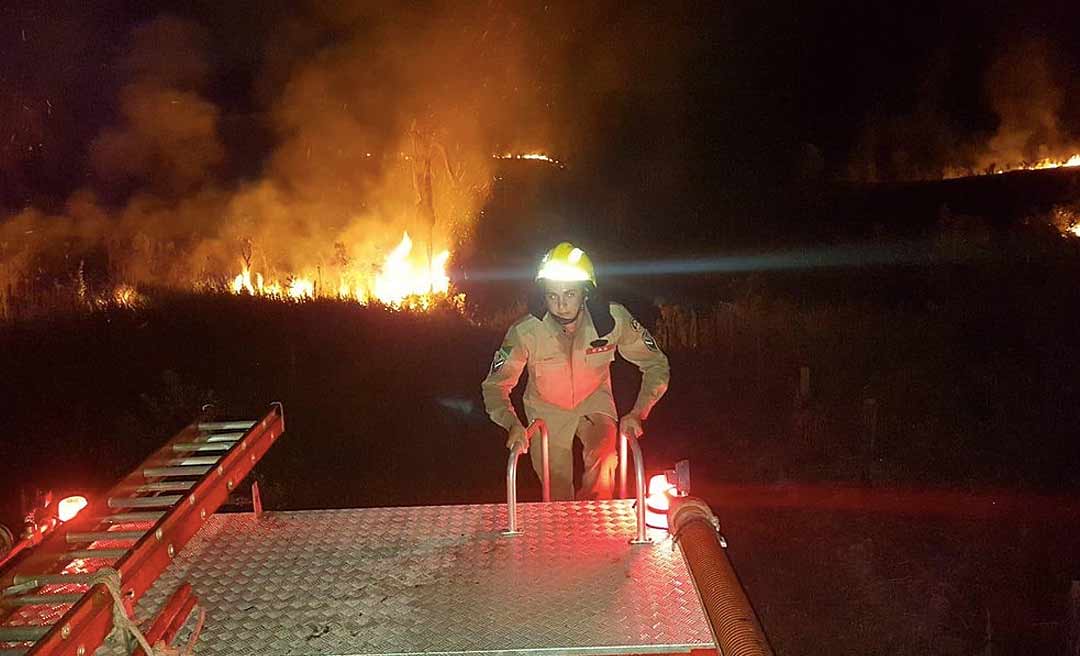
x: 53, y: 600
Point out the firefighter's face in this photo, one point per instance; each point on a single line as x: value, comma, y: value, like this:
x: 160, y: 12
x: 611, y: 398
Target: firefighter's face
x: 564, y: 299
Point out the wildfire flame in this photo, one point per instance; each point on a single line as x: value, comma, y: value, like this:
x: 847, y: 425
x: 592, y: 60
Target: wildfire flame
x: 400, y: 279
x: 126, y: 296
x: 1066, y: 218
x: 540, y: 157
x: 403, y: 281
x: 1049, y: 163
x: 296, y: 288
x: 1038, y: 165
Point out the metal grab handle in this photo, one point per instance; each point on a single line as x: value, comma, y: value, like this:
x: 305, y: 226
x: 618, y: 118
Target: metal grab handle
x: 639, y: 476
x: 622, y: 466
x: 511, y: 472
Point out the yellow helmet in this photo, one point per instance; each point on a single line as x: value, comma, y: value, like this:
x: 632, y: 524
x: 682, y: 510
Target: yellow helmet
x: 567, y: 262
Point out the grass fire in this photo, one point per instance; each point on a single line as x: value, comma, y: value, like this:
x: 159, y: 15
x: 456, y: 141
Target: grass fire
x: 405, y: 279
x: 279, y: 270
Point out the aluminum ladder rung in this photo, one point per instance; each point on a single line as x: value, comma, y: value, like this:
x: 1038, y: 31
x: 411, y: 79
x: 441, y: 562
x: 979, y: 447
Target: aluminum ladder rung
x: 189, y: 470
x: 19, y: 588
x: 23, y: 633
x: 41, y: 599
x: 130, y: 517
x: 203, y: 447
x: 188, y: 461
x: 76, y: 537
x: 224, y: 437
x: 30, y: 581
x: 225, y: 425
x: 102, y: 554
x: 166, y: 486
x: 163, y: 501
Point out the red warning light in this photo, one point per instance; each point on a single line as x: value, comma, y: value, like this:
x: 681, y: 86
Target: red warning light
x: 69, y: 507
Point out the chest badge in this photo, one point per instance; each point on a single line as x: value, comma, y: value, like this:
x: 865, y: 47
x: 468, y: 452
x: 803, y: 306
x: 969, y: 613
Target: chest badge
x: 599, y: 346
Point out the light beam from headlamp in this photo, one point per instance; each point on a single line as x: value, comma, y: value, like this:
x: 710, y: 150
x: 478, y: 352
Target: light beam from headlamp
x: 822, y: 258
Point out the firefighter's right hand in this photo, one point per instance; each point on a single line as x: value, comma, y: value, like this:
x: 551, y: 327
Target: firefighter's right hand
x: 517, y: 436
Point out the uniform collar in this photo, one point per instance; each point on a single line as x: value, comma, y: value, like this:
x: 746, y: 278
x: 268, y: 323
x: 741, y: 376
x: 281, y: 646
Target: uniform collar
x: 585, y: 329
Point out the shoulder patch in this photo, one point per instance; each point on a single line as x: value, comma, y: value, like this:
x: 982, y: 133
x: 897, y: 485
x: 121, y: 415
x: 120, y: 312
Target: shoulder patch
x: 500, y: 358
x: 650, y: 343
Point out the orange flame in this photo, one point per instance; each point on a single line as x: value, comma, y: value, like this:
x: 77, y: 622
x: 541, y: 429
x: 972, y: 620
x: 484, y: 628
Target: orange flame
x: 404, y: 280
x: 1045, y: 163
x: 540, y: 157
x: 242, y: 283
x: 400, y: 280
x: 1038, y: 165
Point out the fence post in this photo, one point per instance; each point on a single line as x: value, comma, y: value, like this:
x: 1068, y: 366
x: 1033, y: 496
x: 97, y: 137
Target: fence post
x: 870, y: 423
x: 1073, y: 620
x: 800, y: 415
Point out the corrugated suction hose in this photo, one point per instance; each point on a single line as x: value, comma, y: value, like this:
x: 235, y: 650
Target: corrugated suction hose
x: 734, y: 624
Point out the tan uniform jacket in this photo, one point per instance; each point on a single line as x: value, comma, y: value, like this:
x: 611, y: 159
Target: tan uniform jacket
x: 563, y: 387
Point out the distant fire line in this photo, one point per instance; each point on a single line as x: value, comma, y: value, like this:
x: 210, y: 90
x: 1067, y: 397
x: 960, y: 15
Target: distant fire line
x: 1040, y: 165
x: 539, y: 157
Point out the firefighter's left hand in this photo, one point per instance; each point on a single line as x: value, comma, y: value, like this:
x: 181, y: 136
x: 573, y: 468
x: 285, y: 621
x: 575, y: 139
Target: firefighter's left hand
x: 631, y: 425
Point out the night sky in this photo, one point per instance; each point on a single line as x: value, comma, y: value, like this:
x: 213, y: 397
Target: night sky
x: 727, y: 94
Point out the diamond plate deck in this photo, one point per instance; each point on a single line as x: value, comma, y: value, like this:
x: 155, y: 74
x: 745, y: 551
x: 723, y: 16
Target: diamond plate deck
x: 436, y: 580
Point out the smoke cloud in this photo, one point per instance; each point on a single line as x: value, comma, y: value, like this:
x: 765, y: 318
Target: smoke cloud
x: 382, y: 120
x: 1024, y: 94
x: 168, y: 139
x: 1028, y: 96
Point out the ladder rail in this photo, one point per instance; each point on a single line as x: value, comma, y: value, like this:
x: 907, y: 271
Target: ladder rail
x: 155, y: 550
x: 87, y: 622
x: 149, y: 557
x: 83, y: 628
x: 42, y: 558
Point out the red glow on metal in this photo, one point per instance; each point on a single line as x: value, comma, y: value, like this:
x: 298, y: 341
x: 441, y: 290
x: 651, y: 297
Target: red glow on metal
x: 256, y: 499
x: 91, y: 618
x: 171, y: 618
x: 88, y: 622
x: 142, y: 565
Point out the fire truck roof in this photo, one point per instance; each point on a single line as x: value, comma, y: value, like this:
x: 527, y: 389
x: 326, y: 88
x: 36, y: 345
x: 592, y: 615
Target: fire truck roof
x: 436, y: 580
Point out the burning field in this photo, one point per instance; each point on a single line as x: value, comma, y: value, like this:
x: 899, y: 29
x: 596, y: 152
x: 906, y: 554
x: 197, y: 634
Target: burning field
x: 1024, y: 121
x: 1037, y: 165
x: 872, y: 332
x: 405, y: 280
x: 364, y: 181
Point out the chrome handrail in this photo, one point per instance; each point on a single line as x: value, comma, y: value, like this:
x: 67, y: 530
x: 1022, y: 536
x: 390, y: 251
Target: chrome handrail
x: 511, y: 472
x: 622, y: 466
x: 511, y: 478
x: 639, y: 475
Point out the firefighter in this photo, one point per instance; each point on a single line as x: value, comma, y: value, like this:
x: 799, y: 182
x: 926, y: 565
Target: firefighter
x: 568, y: 342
